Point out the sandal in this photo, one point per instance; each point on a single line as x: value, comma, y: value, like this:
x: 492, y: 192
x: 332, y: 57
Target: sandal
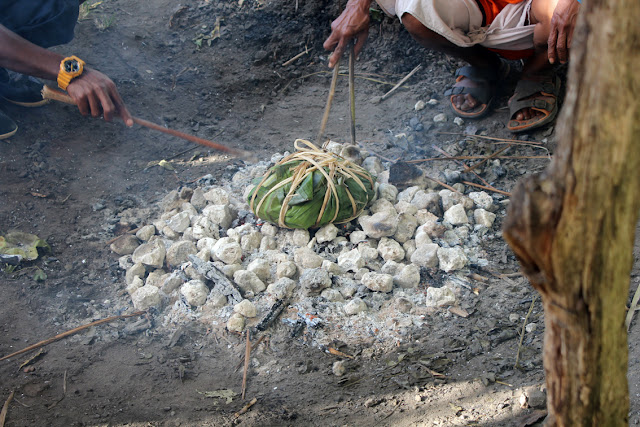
x: 540, y: 94
x: 486, y: 80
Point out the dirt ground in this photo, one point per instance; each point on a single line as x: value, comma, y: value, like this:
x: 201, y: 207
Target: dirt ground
x: 69, y: 179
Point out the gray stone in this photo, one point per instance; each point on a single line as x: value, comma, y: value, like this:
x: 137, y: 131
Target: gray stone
x: 391, y: 267
x: 146, y: 297
x: 268, y: 243
x: 179, y: 222
x: 300, y: 237
x: 373, y: 165
x: 482, y: 200
x: 456, y: 215
x: 409, y: 248
x: 219, y: 214
x: 146, y: 232
x: 286, y: 269
x: 261, y: 267
x: 382, y: 205
x: 426, y: 255
x: 338, y: 368
x: 251, y: 241
x: 197, y: 199
x: 408, y: 277
x: 306, y: 258
x: 217, y: 196
x: 388, y: 192
x: 246, y: 308
x: 314, y: 280
x: 408, y: 194
x: 382, y: 224
x: 357, y: 236
x: 332, y: 267
x: 227, y: 250
x: 332, y: 295
x: 125, y: 245
x: 484, y: 218
x: 195, y: 292
x: 137, y: 270
x: 326, y: 233
x: 125, y: 262
x: 171, y: 282
x: 355, y: 306
x: 282, y: 288
x: 378, y: 282
x: 235, y: 323
x: 151, y: 254
x: 452, y: 258
x: 440, y: 297
x: 390, y: 250
x: 136, y: 283
x: 249, y: 282
x: 407, y: 225
x: 179, y: 252
x: 269, y: 229
x: 155, y: 278
x: 440, y: 118
x: 216, y: 300
x: 406, y: 208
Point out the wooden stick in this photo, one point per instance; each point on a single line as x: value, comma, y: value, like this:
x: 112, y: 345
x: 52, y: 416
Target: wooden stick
x: 327, y: 108
x: 245, y: 408
x: 56, y: 95
x: 489, y: 188
x: 486, y: 159
x: 247, y: 357
x: 301, y: 54
x: 404, y: 79
x: 5, y: 409
x: 352, y: 93
x: 524, y: 325
x: 431, y: 159
x: 515, y: 141
x: 71, y: 332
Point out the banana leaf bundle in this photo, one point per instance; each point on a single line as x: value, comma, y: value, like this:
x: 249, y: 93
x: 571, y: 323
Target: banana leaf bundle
x: 311, y: 188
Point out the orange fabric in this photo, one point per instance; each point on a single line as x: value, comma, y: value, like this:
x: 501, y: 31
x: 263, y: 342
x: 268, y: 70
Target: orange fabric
x: 493, y: 7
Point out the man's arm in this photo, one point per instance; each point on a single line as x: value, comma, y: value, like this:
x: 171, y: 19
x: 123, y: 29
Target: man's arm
x: 563, y: 23
x: 93, y: 91
x: 353, y: 22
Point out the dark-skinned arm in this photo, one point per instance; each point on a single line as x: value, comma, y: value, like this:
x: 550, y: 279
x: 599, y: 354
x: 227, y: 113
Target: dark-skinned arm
x: 93, y: 92
x: 353, y: 22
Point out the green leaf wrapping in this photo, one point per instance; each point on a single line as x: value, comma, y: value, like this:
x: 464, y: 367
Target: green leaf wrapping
x: 304, y: 209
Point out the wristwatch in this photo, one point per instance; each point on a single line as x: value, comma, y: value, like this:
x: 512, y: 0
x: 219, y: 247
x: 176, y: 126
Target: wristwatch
x: 70, y: 68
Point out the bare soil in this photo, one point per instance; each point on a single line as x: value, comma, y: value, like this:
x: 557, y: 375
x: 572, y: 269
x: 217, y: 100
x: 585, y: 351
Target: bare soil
x: 72, y: 180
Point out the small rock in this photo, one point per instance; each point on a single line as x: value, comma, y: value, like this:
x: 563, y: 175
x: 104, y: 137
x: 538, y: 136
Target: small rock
x: 204, y: 228
x: 216, y: 300
x: 531, y: 327
x: 261, y: 267
x: 458, y: 121
x: 456, y: 215
x: 235, y: 323
x: 378, y: 282
x: 514, y: 318
x: 171, y: 282
x: 179, y: 222
x: 327, y: 233
x: 136, y: 283
x: 246, y: 308
x: 407, y: 225
x: 351, y: 261
x: 439, y: 297
x: 251, y: 241
x: 219, y: 214
x: 419, y: 105
x: 381, y: 224
x: 195, y: 292
x: 151, y: 254
x: 125, y: 245
x: 228, y: 251
x: 390, y: 250
x: 408, y: 277
x: 432, y: 102
x: 483, y: 217
x: 440, y: 118
x: 217, y: 196
x: 482, y: 200
x: 197, y: 199
x: 373, y: 165
x: 283, y: 288
x: 146, y: 297
x: 179, y: 252
x: 248, y: 281
x: 451, y: 259
x: 403, y: 305
x: 338, y: 368
x: 332, y: 295
x: 146, y: 232
x: 314, y: 280
x: 300, y: 237
x: 286, y: 269
x: 426, y: 255
x: 137, y: 270
x: 355, y: 306
x: 387, y: 192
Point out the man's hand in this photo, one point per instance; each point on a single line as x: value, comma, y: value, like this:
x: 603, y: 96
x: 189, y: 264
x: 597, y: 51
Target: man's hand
x: 563, y: 23
x: 95, y: 93
x: 353, y: 22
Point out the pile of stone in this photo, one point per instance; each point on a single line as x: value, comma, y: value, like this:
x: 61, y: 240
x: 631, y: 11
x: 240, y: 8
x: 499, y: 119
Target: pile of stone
x: 208, y: 257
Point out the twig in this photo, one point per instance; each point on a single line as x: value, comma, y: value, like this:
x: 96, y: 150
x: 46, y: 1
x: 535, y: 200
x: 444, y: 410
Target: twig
x: 632, y: 308
x: 404, y: 79
x: 352, y: 93
x: 71, y: 332
x: 486, y: 159
x: 524, y: 325
x: 247, y: 354
x: 514, y: 141
x: 327, y: 108
x: 430, y: 159
x: 461, y: 164
x: 5, y: 409
x: 392, y: 411
x: 448, y: 187
x: 254, y: 345
x: 300, y: 55
x: 245, y: 408
x: 488, y: 188
x: 128, y: 232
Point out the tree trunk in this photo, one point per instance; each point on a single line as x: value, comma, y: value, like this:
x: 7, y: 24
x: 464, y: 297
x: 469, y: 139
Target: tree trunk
x: 572, y: 227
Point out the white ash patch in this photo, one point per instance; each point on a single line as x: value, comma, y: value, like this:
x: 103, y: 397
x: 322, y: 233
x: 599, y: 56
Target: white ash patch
x: 207, y: 258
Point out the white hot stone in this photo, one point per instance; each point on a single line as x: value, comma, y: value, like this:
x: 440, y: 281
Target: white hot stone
x: 452, y: 258
x: 351, y: 261
x: 179, y: 222
x: 408, y: 277
x: 390, y: 250
x: 440, y: 297
x: 307, y: 258
x: 261, y: 267
x: 236, y: 322
x: 146, y: 232
x: 248, y: 281
x: 426, y: 255
x: 388, y: 192
x: 355, y: 306
x: 483, y: 217
x: 195, y: 292
x: 151, y: 253
x: 146, y: 297
x: 227, y: 250
x: 246, y: 308
x: 300, y: 237
x: 327, y: 233
x: 482, y: 200
x: 456, y: 215
x: 219, y: 214
x: 378, y: 282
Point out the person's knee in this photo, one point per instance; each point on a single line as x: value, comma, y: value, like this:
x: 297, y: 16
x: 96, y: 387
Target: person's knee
x: 419, y: 32
x: 541, y: 36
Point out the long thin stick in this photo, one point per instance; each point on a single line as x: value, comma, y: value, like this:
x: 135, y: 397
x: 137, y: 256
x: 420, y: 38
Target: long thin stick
x: 352, y: 93
x: 56, y: 95
x: 431, y: 159
x: 289, y: 62
x: 632, y: 308
x: 5, y: 409
x: 247, y: 357
x: 71, y: 332
x: 524, y: 325
x: 515, y: 141
x: 327, y: 108
x: 404, y: 79
x: 489, y: 188
x: 486, y: 159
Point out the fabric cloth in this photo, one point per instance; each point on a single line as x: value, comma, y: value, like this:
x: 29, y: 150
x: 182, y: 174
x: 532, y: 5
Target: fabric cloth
x: 45, y: 23
x: 460, y: 21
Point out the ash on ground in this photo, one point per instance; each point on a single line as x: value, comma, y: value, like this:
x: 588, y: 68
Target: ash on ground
x: 412, y: 254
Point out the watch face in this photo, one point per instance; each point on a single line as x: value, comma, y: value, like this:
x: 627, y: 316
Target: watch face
x: 71, y: 66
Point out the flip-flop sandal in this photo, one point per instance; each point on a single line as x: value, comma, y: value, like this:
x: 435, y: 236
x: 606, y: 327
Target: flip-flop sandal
x: 486, y: 81
x: 539, y: 95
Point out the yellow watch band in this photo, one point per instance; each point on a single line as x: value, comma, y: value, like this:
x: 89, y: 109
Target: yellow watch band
x: 70, y: 68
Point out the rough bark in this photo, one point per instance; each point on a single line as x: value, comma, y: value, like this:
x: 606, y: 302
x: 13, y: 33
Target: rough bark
x: 572, y: 227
